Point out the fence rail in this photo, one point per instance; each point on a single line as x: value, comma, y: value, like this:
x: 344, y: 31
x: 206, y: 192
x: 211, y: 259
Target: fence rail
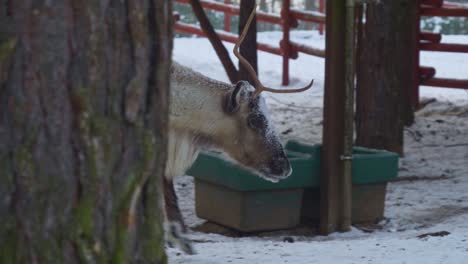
x: 425, y: 75
x: 225, y: 36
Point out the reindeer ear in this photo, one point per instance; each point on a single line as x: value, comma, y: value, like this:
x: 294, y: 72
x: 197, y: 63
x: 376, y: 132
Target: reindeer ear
x: 233, y: 98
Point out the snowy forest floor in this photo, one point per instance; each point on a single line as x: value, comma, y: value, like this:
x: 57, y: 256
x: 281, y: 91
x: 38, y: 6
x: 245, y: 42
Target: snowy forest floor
x: 430, y: 196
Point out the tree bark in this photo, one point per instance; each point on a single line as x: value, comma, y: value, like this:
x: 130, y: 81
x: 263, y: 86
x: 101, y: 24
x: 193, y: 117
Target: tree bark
x: 384, y: 77
x: 215, y: 41
x: 83, y: 130
x: 248, y: 48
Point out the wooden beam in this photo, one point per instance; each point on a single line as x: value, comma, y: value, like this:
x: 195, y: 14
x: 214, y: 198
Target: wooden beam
x: 333, y: 118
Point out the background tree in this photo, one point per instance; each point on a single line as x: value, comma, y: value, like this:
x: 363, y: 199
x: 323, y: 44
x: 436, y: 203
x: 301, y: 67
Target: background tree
x: 83, y: 128
x: 386, y: 45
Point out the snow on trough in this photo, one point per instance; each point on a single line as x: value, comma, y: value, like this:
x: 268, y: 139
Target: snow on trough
x: 430, y: 197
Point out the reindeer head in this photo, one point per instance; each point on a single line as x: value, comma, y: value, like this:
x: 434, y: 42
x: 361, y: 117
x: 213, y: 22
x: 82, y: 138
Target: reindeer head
x: 254, y: 144
x: 252, y: 140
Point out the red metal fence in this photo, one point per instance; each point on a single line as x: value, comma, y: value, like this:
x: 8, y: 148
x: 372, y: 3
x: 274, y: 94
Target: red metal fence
x: 427, y: 41
x: 288, y: 18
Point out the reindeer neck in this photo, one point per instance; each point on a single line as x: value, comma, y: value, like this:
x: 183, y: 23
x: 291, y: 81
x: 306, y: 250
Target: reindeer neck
x: 196, y: 104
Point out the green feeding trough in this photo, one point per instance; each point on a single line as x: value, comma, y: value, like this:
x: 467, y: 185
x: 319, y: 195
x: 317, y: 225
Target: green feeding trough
x: 371, y: 170
x: 231, y: 196
x: 211, y: 167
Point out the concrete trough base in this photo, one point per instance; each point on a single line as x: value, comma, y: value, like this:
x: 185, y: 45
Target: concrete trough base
x: 367, y: 206
x: 248, y: 211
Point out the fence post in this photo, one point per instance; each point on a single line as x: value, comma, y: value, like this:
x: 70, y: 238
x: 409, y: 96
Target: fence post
x: 331, y: 180
x: 285, y: 45
x: 227, y: 18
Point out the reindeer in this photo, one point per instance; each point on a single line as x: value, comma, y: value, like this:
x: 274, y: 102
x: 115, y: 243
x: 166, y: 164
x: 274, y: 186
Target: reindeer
x: 206, y: 114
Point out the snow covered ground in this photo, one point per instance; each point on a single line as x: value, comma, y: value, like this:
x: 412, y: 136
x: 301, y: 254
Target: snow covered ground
x: 430, y: 197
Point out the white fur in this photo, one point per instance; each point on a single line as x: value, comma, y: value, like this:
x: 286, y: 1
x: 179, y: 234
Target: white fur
x: 182, y: 152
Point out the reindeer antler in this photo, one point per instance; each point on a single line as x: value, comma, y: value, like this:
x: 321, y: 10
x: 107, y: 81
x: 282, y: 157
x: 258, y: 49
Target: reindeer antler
x: 259, y: 87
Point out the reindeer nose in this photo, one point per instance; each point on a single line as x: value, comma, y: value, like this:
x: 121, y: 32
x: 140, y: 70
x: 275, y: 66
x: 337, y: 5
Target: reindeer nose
x: 276, y: 168
x: 280, y: 166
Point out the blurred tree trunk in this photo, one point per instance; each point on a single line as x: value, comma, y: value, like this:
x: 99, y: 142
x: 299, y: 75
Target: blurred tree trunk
x: 83, y: 128
x: 384, y: 77
x: 248, y: 49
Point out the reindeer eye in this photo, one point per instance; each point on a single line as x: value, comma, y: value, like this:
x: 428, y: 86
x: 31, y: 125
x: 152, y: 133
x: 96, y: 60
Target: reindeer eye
x: 256, y: 122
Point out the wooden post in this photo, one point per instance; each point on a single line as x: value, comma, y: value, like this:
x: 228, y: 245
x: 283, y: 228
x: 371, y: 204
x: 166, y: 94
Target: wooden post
x: 333, y: 122
x: 346, y: 182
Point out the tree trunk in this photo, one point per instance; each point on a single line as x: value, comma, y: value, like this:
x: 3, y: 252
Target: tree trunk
x: 248, y: 49
x: 83, y: 130
x: 215, y: 41
x: 384, y: 77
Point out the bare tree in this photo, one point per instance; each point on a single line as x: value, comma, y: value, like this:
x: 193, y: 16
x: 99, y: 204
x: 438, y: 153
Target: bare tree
x: 83, y: 130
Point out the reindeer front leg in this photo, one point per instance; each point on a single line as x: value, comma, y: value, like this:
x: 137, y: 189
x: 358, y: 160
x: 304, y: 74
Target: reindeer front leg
x: 173, y: 213
x: 176, y: 230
